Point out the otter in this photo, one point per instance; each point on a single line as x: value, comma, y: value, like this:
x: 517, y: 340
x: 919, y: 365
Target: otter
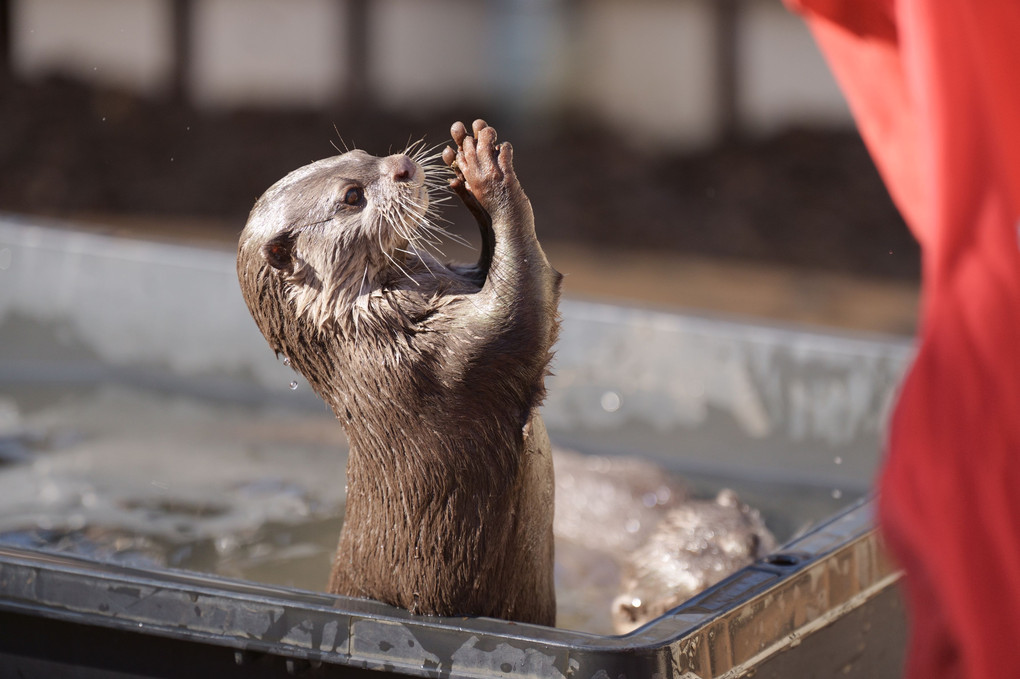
x: 435, y: 371
x: 611, y: 504
x: 694, y: 546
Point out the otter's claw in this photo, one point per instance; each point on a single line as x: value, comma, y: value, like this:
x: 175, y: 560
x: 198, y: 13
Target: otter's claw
x: 450, y: 157
x: 459, y: 133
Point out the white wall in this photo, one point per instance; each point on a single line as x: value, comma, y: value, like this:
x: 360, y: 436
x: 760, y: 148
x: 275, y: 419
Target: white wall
x: 784, y: 79
x: 118, y: 42
x: 423, y: 53
x: 266, y: 51
x: 647, y: 67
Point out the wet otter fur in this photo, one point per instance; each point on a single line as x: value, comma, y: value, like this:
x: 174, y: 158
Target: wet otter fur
x: 697, y: 544
x: 435, y: 371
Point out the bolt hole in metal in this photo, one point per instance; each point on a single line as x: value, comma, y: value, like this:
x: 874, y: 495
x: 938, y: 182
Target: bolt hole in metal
x: 784, y: 559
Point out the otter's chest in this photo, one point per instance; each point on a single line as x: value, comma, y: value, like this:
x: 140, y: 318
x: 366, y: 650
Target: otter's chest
x: 407, y: 349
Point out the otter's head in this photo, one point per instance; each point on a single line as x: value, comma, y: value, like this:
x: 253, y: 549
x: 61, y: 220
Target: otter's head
x: 323, y: 238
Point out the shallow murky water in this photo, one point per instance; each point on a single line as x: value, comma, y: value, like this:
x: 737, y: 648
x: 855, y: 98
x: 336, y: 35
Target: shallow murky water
x: 153, y: 479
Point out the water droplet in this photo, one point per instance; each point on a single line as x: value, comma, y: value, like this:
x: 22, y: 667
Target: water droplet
x: 838, y: 460
x: 226, y: 544
x: 50, y: 493
x: 293, y: 385
x: 633, y: 526
x: 836, y: 493
x: 610, y: 401
x: 286, y: 361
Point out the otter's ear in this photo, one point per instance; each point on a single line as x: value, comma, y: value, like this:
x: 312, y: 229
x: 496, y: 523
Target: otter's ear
x: 279, y: 252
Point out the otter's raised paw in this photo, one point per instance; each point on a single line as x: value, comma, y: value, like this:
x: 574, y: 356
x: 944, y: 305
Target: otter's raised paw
x: 483, y: 167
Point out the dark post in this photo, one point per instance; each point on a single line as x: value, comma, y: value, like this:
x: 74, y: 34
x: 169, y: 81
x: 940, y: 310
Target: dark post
x: 182, y: 45
x: 5, y: 38
x: 727, y: 77
x: 356, y: 88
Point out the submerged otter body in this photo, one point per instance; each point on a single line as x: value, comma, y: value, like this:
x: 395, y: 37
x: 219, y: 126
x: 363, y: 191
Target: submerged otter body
x: 434, y: 371
x: 697, y: 544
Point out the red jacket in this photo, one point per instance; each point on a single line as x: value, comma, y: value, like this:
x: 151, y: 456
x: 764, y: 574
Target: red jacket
x: 935, y: 88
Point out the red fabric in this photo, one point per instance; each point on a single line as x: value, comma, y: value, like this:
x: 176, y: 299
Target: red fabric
x: 935, y: 88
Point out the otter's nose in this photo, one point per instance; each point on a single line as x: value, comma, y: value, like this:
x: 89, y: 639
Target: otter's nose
x: 400, y: 168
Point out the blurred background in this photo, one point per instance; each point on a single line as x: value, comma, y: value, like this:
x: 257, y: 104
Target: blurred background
x: 690, y: 153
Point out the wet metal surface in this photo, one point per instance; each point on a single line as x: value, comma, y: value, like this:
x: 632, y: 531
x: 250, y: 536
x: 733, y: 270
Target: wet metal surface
x: 760, y: 613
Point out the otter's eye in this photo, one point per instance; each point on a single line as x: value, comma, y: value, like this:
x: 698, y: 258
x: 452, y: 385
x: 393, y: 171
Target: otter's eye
x: 354, y: 196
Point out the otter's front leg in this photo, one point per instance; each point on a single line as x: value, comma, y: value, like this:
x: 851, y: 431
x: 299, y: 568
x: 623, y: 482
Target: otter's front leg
x: 521, y: 289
